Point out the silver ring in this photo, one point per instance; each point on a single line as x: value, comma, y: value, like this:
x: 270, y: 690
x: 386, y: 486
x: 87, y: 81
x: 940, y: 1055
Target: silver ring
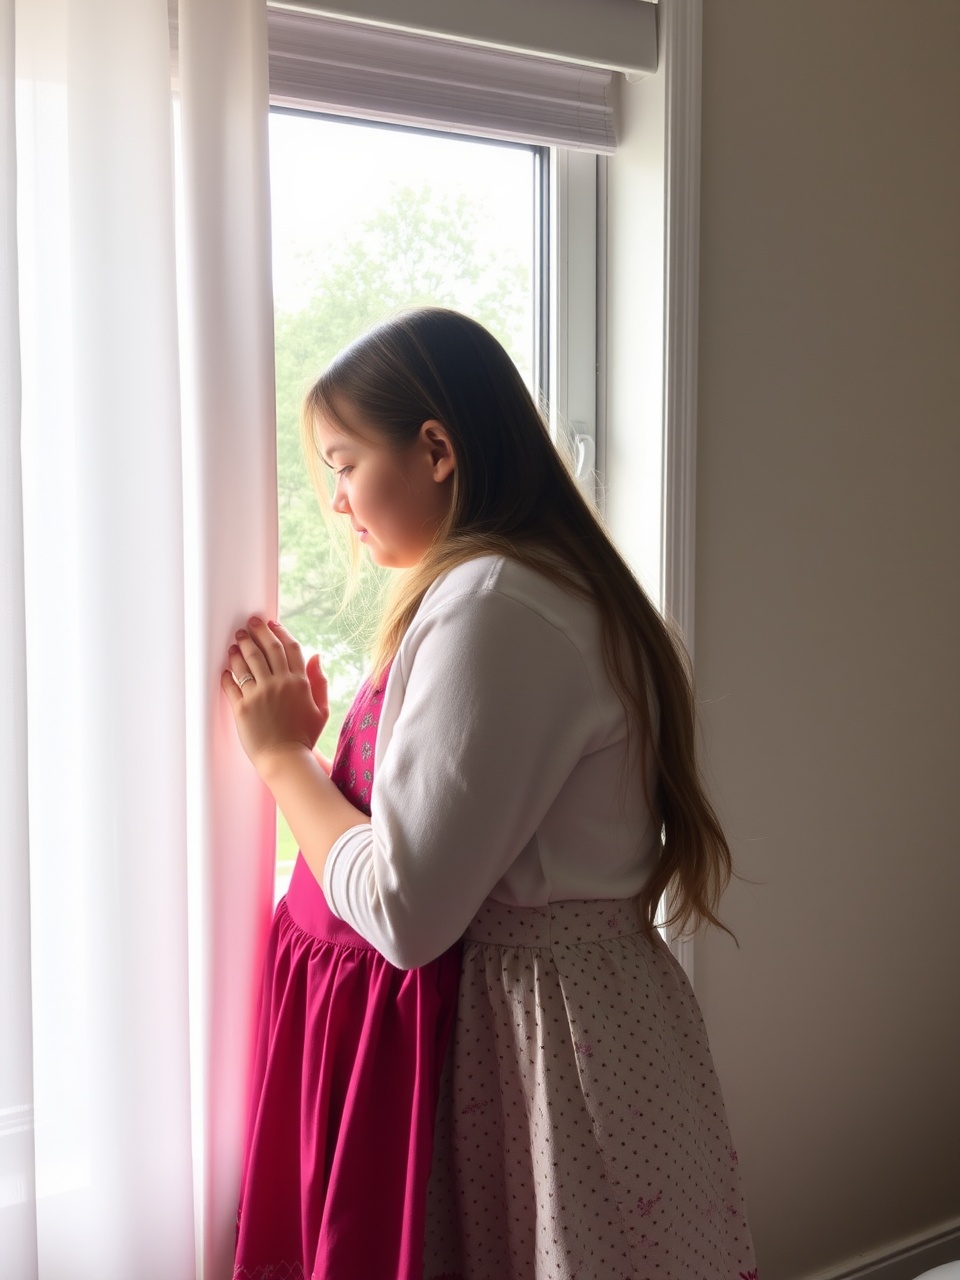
x: 243, y: 680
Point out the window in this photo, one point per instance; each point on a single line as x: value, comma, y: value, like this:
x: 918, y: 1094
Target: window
x: 368, y: 219
x: 563, y: 112
x: 369, y: 215
x: 615, y: 348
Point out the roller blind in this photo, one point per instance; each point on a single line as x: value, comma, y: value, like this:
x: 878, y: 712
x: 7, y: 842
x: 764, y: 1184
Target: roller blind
x: 373, y: 72
x: 616, y: 35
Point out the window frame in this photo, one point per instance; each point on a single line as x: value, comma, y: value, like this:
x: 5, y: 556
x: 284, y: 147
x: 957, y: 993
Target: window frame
x: 575, y: 271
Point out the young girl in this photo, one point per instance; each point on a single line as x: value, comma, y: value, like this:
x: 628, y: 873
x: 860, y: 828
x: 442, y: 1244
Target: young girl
x: 534, y: 793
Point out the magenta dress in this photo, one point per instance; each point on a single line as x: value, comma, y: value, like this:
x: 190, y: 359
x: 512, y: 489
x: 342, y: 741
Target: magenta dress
x: 345, y: 1082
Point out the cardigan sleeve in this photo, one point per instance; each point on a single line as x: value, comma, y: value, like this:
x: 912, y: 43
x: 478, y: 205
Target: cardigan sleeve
x: 497, y: 710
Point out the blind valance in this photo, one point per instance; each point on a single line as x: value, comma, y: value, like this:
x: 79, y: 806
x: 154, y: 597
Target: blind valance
x: 616, y: 35
x: 371, y: 72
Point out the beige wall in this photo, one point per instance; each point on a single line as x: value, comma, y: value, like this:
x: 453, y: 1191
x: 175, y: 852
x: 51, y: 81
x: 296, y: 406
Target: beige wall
x: 828, y: 610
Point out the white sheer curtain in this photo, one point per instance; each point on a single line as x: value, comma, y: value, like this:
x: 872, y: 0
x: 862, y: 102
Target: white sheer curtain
x: 18, y: 1247
x: 227, y: 345
x: 135, y: 845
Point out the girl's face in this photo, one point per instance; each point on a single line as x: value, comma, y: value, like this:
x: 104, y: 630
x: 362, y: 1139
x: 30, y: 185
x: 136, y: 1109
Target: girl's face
x: 395, y: 500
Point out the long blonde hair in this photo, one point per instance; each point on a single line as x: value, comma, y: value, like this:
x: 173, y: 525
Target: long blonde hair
x: 513, y: 496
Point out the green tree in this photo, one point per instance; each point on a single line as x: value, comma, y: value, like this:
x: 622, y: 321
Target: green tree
x: 418, y: 249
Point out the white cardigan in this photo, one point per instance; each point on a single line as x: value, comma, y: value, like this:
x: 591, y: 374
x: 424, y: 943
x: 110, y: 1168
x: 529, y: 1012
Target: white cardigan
x: 499, y: 768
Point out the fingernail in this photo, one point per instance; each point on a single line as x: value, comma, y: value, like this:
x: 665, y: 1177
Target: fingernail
x: 255, y: 622
x: 234, y: 648
x: 241, y: 635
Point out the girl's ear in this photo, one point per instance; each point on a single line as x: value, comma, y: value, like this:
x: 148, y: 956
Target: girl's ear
x: 439, y: 449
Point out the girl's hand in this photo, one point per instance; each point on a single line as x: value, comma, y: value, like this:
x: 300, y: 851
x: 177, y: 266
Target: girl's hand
x: 279, y: 703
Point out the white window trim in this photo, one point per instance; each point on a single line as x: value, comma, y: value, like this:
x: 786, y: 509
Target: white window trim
x: 648, y: 325
x: 681, y: 32
x: 575, y: 272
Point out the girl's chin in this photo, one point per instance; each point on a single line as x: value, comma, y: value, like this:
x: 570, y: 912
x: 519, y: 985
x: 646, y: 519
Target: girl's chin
x: 383, y: 559
x: 379, y: 556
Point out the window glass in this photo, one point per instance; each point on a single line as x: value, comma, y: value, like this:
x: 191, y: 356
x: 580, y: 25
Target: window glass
x: 368, y: 219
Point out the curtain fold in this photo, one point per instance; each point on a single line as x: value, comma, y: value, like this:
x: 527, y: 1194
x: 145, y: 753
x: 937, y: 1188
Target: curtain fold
x: 105, y: 639
x: 137, y: 527
x: 18, y: 1231
x: 227, y: 344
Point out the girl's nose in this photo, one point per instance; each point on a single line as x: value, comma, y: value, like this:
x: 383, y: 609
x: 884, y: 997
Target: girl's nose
x: 339, y: 503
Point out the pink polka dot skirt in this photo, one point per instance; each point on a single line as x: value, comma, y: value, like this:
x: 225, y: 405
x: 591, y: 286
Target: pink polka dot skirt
x: 581, y: 1132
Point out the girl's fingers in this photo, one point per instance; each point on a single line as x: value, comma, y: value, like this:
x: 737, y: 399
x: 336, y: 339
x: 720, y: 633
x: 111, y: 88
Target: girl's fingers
x: 239, y: 669
x: 318, y: 684
x: 271, y: 648
x: 291, y: 649
x: 260, y: 663
x: 229, y: 686
x: 257, y: 654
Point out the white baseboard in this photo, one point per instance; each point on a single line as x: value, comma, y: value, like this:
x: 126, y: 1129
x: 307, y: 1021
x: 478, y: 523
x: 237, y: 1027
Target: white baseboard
x: 905, y: 1260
